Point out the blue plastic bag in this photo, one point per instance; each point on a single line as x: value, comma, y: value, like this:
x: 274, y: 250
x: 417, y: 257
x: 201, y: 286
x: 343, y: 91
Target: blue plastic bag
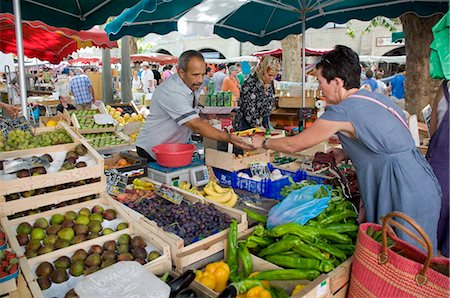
x: 299, y: 206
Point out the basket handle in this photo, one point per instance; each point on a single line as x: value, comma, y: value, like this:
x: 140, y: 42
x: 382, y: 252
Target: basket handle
x: 421, y: 278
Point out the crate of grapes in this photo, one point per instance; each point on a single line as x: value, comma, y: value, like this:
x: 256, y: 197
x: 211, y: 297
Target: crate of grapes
x: 64, y: 164
x: 194, y: 229
x: 121, y: 239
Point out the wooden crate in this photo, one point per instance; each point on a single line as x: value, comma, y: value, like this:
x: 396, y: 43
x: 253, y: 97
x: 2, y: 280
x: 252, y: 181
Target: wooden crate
x: 58, y: 117
x: 105, y: 200
x: 227, y: 161
x: 119, y: 134
x: 129, y: 104
x: 296, y: 102
x: 182, y: 255
x: 158, y: 266
x: 77, y: 127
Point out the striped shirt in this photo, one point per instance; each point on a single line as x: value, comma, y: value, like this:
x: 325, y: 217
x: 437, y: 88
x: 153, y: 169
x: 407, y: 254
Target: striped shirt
x: 80, y: 86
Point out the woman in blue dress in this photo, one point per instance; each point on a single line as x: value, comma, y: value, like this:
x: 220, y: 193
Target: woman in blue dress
x: 392, y: 173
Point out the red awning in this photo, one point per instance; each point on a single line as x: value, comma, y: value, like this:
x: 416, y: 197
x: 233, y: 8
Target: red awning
x: 84, y: 61
x: 47, y: 42
x: 158, y: 58
x: 279, y: 52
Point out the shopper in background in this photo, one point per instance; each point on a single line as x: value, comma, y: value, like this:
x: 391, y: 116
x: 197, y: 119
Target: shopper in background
x: 81, y: 89
x: 219, y: 76
x: 382, y: 88
x: 240, y: 76
x: 147, y: 78
x: 174, y: 113
x: 207, y: 79
x: 156, y: 74
x: 257, y: 96
x: 167, y: 72
x: 438, y: 157
x: 231, y: 83
x: 393, y: 175
x: 370, y: 81
x: 136, y: 84
x: 64, y: 103
x: 398, y: 83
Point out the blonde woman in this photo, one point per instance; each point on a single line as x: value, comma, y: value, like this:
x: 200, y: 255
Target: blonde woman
x: 257, y: 96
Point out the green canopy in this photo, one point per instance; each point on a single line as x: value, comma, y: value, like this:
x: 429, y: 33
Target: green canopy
x: 397, y: 36
x: 440, y: 49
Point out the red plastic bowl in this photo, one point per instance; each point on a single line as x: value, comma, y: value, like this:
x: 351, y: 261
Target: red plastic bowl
x: 174, y: 155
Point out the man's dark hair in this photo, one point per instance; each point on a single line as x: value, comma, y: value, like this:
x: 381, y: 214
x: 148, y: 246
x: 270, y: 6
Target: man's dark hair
x: 342, y: 62
x: 185, y: 57
x: 401, y: 68
x: 208, y: 69
x: 369, y: 74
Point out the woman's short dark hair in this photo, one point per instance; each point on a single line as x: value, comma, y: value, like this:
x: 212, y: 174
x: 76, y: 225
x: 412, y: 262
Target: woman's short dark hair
x: 342, y: 62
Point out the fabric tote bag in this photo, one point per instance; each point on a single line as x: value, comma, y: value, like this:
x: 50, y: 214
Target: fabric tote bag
x: 399, y: 271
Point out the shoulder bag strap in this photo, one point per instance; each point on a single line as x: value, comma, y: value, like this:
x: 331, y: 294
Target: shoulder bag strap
x: 446, y: 90
x: 390, y: 109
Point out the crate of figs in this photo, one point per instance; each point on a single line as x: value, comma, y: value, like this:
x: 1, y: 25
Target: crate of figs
x: 193, y: 228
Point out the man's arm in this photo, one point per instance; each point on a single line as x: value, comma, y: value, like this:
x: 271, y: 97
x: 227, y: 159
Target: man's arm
x: 205, y: 129
x: 91, y: 90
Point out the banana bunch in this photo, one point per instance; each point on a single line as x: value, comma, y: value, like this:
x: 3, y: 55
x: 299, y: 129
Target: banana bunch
x: 217, y: 193
x: 192, y: 189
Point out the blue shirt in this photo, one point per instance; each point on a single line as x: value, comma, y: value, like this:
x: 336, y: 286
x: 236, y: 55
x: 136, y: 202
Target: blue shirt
x: 80, y: 86
x: 398, y: 86
x: 371, y: 82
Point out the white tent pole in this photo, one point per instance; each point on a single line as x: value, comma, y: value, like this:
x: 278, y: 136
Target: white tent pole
x: 20, y: 56
x: 303, y: 55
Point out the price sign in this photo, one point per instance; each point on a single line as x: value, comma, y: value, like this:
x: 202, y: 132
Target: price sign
x: 7, y: 125
x: 260, y: 169
x: 169, y: 194
x: 116, y: 182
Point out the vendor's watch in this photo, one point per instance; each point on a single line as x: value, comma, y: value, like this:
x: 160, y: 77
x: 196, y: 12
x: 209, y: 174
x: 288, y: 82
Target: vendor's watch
x: 264, y: 144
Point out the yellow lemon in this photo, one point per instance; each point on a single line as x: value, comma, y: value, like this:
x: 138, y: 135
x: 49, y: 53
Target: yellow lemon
x: 51, y: 123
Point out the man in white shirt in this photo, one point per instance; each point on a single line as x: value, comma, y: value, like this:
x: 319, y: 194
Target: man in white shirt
x: 147, y: 78
x: 219, y: 76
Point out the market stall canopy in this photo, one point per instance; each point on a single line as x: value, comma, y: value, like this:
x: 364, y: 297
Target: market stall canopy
x: 233, y: 60
x: 47, y: 42
x: 158, y: 58
x: 74, y: 14
x: 279, y: 52
x: 397, y: 36
x: 383, y: 59
x: 84, y: 61
x: 440, y: 52
x: 260, y: 22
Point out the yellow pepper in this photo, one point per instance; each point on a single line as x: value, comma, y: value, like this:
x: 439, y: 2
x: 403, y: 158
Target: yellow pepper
x: 217, y: 271
x: 297, y: 289
x: 144, y: 184
x: 258, y: 292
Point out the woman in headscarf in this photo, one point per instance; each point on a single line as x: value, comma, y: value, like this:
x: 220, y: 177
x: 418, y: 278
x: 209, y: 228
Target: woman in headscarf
x: 257, y: 96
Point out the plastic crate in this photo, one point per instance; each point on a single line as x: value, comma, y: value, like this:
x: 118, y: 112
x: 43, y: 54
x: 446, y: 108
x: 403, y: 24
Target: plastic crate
x: 317, y: 179
x: 266, y: 187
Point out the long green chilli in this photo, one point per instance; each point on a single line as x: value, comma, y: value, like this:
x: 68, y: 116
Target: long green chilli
x: 256, y: 216
x: 246, y: 260
x: 287, y: 274
x: 232, y: 255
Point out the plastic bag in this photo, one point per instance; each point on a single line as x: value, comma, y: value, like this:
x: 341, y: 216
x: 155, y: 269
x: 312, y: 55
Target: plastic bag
x: 299, y: 206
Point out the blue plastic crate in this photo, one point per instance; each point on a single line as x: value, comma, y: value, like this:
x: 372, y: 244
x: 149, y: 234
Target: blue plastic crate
x: 225, y: 177
x: 318, y: 180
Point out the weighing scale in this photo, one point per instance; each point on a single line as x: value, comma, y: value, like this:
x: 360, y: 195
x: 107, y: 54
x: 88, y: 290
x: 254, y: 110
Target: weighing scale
x: 195, y: 173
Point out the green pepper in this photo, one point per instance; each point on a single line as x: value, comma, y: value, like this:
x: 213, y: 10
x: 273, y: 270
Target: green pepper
x: 260, y: 231
x: 256, y: 216
x: 309, y: 233
x: 309, y: 251
x: 254, y: 241
x: 244, y: 285
x: 329, y: 248
x: 287, y: 274
x: 300, y: 263
x: 232, y: 256
x: 370, y: 231
x: 348, y: 249
x: 276, y: 292
x: 279, y: 246
x: 342, y: 227
x: 246, y: 260
x: 338, y: 216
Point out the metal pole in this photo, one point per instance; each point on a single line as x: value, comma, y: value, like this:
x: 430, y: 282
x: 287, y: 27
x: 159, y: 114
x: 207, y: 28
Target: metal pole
x: 107, y: 90
x: 20, y: 56
x: 125, y: 73
x: 303, y: 56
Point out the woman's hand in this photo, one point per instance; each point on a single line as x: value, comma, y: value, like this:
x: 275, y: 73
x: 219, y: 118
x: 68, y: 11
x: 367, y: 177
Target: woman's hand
x: 257, y: 141
x: 241, y: 143
x: 11, y: 110
x: 339, y: 155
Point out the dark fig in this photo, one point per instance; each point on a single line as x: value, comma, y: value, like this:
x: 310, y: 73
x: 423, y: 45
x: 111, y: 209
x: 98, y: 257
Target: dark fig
x: 53, y: 229
x: 71, y: 294
x: 110, y: 214
x: 67, y: 224
x: 81, y: 229
x: 138, y: 252
x: 141, y: 261
x: 109, y: 254
x: 93, y: 260
x: 59, y: 276
x: 72, y: 154
x: 110, y: 245
x: 62, y: 262
x: 22, y: 239
x: 76, y: 268
x: 80, y: 255
x: 34, y: 245
x: 96, y: 249
x: 138, y: 241
x: 81, y: 164
x: 44, y: 269
x: 78, y: 239
x: 125, y: 257
x: 80, y: 150
x: 91, y: 269
x: 97, y: 209
x: 23, y: 174
x: 61, y: 243
x: 44, y: 282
